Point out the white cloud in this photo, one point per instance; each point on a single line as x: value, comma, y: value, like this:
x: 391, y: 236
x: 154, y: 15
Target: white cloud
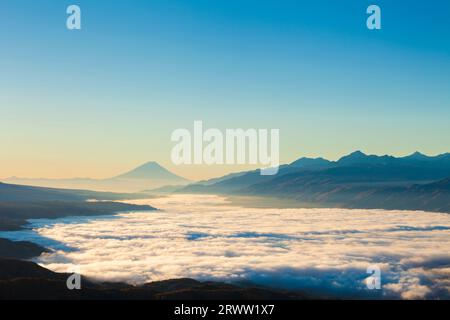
x: 203, y: 237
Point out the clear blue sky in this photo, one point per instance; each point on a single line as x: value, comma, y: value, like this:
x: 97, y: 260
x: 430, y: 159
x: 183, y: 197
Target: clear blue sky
x: 98, y: 101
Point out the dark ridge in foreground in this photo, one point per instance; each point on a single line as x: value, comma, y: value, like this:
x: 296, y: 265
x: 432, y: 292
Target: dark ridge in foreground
x: 22, y: 280
x: 22, y: 193
x: 19, y: 249
x: 20, y: 203
x: 13, y: 215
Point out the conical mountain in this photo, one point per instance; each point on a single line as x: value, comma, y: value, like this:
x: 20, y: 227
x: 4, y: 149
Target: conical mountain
x: 151, y: 171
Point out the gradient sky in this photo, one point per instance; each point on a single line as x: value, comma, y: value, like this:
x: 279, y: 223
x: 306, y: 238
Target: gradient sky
x: 102, y: 100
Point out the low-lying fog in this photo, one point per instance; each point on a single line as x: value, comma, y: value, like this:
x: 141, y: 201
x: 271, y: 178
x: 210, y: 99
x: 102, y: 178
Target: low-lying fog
x: 204, y: 237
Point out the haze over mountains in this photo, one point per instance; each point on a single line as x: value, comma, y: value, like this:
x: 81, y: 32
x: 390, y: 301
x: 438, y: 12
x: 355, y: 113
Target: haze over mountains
x: 147, y: 176
x: 357, y: 180
x: 416, y: 182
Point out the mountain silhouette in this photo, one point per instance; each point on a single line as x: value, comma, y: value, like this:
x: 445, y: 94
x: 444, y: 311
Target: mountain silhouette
x: 417, y: 156
x: 314, y: 163
x: 357, y: 180
x: 151, y: 170
x: 21, y: 203
x: 360, y: 158
x: 147, y: 176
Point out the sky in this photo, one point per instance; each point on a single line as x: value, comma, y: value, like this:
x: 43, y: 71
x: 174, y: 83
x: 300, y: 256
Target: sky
x: 101, y: 100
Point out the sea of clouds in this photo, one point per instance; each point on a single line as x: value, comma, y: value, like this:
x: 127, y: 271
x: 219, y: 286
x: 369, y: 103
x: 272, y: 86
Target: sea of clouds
x: 323, y: 251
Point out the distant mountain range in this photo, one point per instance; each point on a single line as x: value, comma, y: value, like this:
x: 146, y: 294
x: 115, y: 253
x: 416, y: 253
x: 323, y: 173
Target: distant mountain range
x: 416, y: 182
x: 357, y: 180
x: 147, y: 176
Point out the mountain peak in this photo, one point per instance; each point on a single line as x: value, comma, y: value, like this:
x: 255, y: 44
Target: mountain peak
x: 352, y: 157
x: 150, y: 165
x: 417, y: 153
x: 310, y: 163
x: 151, y: 171
x: 358, y: 157
x: 357, y: 153
x: 417, y: 156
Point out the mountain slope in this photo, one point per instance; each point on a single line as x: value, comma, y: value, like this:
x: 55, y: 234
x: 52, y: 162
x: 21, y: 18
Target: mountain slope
x: 356, y: 167
x: 312, y: 163
x: 19, y: 203
x: 11, y: 192
x: 19, y: 249
x: 354, y: 181
x: 23, y: 193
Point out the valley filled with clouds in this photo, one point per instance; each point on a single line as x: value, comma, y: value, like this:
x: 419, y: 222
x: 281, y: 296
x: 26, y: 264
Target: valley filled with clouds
x: 322, y: 251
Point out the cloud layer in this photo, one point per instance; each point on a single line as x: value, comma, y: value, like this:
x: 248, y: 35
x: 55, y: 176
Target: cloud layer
x: 319, y: 250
